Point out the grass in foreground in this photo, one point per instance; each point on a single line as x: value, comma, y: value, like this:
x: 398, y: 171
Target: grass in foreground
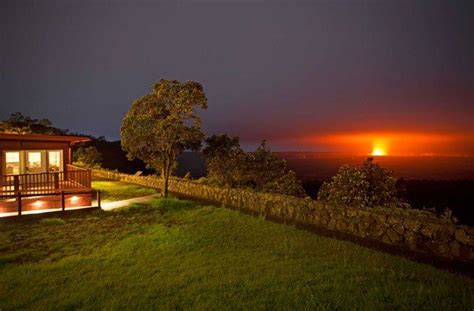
x: 176, y: 254
x: 112, y: 190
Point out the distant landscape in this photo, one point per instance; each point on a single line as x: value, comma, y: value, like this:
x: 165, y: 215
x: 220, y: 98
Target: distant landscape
x: 322, y: 166
x: 432, y: 182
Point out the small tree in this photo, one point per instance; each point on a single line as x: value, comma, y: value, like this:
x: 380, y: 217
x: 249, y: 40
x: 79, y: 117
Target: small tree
x: 225, y: 161
x: 162, y: 124
x: 261, y: 170
x: 88, y: 156
x: 271, y: 174
x: 288, y: 184
x: 367, y: 186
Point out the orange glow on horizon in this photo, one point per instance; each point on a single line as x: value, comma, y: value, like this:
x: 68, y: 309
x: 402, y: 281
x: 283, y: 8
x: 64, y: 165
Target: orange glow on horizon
x: 380, y: 148
x: 378, y: 152
x: 394, y: 143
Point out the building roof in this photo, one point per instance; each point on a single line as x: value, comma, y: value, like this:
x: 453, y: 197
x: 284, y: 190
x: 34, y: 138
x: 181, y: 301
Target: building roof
x: 39, y: 137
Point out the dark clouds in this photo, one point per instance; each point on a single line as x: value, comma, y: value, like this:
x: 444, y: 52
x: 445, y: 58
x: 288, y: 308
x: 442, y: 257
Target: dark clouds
x: 276, y: 70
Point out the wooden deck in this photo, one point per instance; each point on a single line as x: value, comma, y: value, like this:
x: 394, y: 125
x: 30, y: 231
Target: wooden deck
x: 45, y: 191
x: 72, y: 179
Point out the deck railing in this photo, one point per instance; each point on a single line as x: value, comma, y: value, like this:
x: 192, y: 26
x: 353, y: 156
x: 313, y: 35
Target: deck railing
x: 80, y: 176
x: 49, y: 182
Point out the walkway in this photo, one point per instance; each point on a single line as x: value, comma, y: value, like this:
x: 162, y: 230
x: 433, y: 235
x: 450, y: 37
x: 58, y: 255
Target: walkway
x: 106, y: 206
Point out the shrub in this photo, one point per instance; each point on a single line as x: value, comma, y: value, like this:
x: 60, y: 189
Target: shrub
x: 228, y: 165
x: 369, y: 185
x: 287, y: 184
x: 88, y: 156
x: 225, y: 161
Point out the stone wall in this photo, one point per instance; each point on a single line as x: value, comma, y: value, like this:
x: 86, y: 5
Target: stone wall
x: 416, y: 230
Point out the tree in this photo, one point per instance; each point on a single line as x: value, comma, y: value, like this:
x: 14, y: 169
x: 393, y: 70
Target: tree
x: 88, y: 156
x: 369, y: 185
x: 261, y: 170
x: 225, y: 161
x: 17, y: 123
x: 269, y: 173
x: 287, y: 184
x: 162, y: 124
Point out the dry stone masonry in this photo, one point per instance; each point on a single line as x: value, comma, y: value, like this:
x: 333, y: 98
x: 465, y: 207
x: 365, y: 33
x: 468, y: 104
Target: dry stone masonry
x: 416, y: 230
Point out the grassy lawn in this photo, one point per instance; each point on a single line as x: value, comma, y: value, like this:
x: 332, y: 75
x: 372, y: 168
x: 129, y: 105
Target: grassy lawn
x: 112, y: 190
x: 177, y: 254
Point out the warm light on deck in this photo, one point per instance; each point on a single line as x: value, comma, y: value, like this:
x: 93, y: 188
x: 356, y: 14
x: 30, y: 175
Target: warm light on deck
x: 74, y: 199
x: 38, y: 203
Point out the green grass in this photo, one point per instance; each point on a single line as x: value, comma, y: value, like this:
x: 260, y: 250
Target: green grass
x: 172, y: 254
x: 112, y: 190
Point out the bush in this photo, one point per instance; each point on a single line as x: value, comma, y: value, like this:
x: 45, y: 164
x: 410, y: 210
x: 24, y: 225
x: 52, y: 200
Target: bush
x: 287, y: 184
x: 367, y: 186
x: 228, y: 165
x: 88, y: 156
x: 225, y: 161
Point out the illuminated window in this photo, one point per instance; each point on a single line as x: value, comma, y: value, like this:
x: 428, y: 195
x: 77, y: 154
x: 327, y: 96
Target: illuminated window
x: 33, y: 161
x: 12, y: 160
x: 54, y: 160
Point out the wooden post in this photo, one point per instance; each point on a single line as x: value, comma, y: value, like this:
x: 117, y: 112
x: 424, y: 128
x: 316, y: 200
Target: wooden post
x: 98, y: 198
x: 63, y: 201
x: 56, y: 180
x: 16, y: 183
x: 18, y: 198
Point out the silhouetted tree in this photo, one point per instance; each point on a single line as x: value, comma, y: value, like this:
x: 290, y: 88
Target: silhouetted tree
x: 162, y: 124
x: 225, y: 161
x: 17, y: 123
x: 269, y: 173
x: 369, y: 185
x: 261, y: 170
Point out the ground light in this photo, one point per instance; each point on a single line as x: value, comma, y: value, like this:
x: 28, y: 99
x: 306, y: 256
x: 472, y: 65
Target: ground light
x: 74, y: 199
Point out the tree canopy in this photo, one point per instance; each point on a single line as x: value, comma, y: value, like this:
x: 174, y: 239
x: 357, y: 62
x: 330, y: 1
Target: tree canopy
x: 17, y: 123
x: 88, y: 156
x: 229, y: 165
x: 226, y: 161
x: 162, y: 124
x: 369, y: 185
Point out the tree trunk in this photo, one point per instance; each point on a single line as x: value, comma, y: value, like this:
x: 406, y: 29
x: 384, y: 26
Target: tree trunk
x: 164, y: 176
x: 164, y: 192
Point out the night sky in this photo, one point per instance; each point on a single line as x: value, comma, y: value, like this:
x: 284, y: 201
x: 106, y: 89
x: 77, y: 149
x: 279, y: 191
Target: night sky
x: 294, y: 73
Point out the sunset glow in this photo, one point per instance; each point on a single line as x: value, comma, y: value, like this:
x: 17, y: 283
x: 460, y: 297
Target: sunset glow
x: 378, y: 152
x: 379, y: 148
x: 393, y: 143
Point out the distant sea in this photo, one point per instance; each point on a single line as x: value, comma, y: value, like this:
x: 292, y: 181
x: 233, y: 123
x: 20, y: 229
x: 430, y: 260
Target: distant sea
x: 322, y: 166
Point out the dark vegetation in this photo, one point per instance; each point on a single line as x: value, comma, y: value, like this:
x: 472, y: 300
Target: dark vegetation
x: 88, y: 156
x: 438, y: 195
x: 230, y: 166
x: 369, y: 185
x: 17, y: 123
x: 114, y: 158
x: 435, y: 195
